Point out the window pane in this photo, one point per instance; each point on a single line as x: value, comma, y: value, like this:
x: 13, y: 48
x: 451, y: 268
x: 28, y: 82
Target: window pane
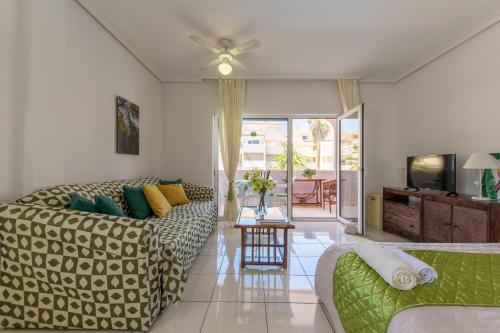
x: 263, y: 146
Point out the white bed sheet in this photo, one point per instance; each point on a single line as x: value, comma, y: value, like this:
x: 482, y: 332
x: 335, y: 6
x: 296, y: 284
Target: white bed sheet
x: 419, y: 319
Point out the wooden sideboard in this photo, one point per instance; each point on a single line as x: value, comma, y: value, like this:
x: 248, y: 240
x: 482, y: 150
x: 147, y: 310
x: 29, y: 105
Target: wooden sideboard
x: 431, y: 216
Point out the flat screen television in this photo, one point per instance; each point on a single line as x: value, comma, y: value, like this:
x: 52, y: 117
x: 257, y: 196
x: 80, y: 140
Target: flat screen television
x: 435, y: 172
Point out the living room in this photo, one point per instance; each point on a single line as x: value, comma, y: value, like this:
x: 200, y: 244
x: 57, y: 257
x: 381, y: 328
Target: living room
x: 410, y: 79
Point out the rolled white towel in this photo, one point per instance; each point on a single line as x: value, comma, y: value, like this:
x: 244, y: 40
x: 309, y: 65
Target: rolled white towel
x: 396, y: 272
x: 425, y: 273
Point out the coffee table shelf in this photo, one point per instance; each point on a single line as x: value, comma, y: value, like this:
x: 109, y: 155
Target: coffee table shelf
x: 262, y: 238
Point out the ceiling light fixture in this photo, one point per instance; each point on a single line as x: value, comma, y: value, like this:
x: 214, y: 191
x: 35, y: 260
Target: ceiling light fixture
x: 225, y: 68
x: 226, y: 52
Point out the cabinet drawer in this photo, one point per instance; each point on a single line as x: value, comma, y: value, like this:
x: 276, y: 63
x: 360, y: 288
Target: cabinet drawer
x: 403, y: 211
x: 407, y: 224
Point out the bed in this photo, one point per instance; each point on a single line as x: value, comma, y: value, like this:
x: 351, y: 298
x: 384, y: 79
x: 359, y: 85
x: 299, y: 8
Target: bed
x: 417, y: 319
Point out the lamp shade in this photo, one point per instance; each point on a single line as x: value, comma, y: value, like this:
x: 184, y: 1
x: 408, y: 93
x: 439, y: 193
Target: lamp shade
x: 481, y: 161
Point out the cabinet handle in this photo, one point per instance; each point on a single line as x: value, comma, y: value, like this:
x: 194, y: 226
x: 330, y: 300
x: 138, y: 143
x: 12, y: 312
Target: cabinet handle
x: 412, y: 226
x: 455, y: 226
x: 447, y: 224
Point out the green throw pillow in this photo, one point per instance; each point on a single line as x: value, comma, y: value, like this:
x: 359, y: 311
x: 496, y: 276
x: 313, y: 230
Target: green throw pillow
x: 171, y: 182
x: 82, y: 204
x: 137, y: 202
x: 106, y: 205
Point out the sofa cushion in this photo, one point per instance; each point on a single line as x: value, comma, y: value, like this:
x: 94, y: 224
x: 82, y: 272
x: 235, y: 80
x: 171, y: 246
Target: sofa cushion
x: 106, y: 205
x: 185, y: 229
x: 157, y: 200
x: 137, y: 202
x: 174, y: 193
x: 60, y: 195
x: 170, y: 182
x: 78, y: 202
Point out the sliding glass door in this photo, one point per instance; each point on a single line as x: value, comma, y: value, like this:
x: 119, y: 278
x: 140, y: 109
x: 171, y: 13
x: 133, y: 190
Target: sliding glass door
x: 300, y: 152
x: 263, y: 146
x: 350, y: 174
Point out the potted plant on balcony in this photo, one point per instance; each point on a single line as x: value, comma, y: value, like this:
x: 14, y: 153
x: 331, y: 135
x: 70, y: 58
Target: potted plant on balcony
x: 260, y: 183
x: 308, y: 173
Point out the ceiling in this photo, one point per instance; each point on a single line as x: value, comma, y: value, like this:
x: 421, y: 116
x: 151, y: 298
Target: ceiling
x: 382, y: 40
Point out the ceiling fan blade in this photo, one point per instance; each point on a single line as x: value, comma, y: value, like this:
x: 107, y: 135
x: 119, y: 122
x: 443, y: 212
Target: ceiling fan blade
x: 209, y: 46
x: 239, y: 64
x: 211, y: 63
x: 244, y: 47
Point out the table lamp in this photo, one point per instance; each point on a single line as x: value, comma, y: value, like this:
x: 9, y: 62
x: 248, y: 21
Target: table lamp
x: 481, y: 161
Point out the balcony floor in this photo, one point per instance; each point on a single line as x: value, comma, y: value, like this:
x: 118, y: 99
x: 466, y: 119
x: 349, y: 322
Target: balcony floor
x: 313, y: 212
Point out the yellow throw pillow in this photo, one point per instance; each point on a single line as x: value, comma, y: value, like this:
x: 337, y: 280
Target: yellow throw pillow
x: 174, y: 193
x: 159, y: 204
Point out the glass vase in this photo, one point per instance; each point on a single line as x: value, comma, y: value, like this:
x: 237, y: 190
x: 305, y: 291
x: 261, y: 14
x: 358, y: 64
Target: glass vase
x: 261, y: 207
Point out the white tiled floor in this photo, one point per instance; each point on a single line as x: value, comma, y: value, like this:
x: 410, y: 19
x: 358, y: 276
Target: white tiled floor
x: 221, y: 297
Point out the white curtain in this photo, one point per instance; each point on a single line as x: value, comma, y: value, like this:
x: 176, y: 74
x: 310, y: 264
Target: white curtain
x: 349, y: 93
x: 232, y: 94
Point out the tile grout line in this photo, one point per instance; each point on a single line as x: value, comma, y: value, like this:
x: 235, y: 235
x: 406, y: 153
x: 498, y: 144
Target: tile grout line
x: 265, y: 304
x: 302, y: 266
x: 252, y: 302
x: 265, y: 313
x: 307, y: 278
x: 326, y: 316
x: 212, y: 294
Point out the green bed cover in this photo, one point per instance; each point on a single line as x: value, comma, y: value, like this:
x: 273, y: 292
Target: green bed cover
x: 366, y: 303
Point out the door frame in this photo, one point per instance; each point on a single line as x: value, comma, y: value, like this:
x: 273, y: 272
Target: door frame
x: 289, y: 119
x: 310, y: 116
x: 361, y: 173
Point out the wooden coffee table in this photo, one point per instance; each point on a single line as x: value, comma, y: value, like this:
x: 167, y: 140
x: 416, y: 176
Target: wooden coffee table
x: 262, y: 238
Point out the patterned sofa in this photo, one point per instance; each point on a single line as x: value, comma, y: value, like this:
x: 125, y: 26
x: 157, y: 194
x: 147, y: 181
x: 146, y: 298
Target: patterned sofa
x: 61, y: 268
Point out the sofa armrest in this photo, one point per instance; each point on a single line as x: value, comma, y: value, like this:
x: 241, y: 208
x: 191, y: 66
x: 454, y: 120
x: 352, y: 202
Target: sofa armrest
x: 120, y: 236
x: 104, y: 269
x: 199, y: 192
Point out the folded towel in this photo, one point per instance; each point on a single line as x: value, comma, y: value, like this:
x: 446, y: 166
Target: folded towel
x: 425, y: 273
x: 396, y: 272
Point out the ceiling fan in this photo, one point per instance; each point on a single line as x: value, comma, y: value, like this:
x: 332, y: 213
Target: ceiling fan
x: 226, y: 53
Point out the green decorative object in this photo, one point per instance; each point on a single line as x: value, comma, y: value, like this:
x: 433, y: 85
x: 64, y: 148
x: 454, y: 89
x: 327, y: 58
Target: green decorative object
x: 106, y: 205
x: 82, y: 204
x: 260, y: 182
x: 136, y: 200
x: 491, y: 181
x: 171, y: 182
x: 308, y: 173
x: 366, y: 303
x: 253, y: 134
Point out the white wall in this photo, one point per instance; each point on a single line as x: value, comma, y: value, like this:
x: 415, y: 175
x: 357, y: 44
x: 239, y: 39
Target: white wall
x: 14, y: 36
x: 189, y: 109
x: 7, y: 93
x: 382, y: 138
x: 452, y: 105
x: 63, y: 107
x: 61, y: 71
x: 288, y: 97
x: 187, y: 129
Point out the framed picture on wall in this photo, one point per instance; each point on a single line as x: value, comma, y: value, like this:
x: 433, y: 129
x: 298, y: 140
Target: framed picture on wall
x: 491, y: 181
x: 127, y: 127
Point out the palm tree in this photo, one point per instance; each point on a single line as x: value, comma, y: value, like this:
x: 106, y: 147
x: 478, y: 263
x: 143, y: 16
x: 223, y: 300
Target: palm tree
x: 320, y: 129
x: 298, y: 160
